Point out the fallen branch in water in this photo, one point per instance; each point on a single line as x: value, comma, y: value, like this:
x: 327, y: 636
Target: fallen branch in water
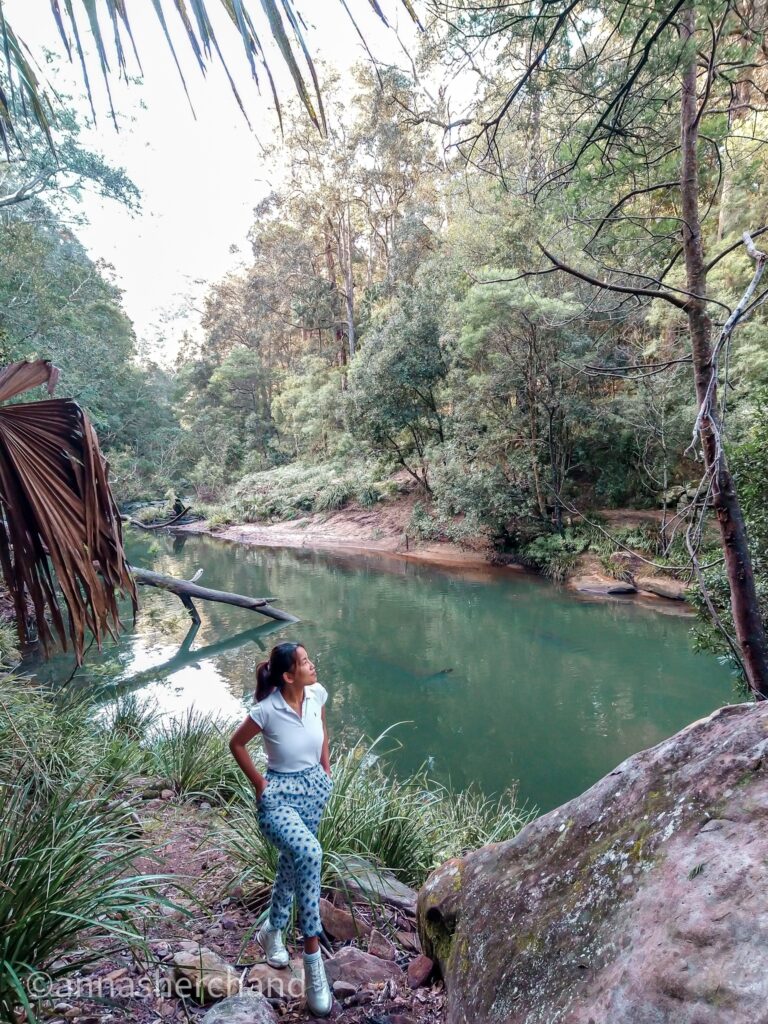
x: 156, y: 526
x: 186, y: 590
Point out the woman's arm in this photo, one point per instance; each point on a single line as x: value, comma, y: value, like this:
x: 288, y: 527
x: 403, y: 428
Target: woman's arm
x: 325, y: 756
x: 241, y: 736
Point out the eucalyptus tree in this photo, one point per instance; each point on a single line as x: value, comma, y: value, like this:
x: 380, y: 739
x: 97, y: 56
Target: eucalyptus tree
x: 633, y: 115
x: 523, y: 352
x: 35, y: 171
x: 396, y: 404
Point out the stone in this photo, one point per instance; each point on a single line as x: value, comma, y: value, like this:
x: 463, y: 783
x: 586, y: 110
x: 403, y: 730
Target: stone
x: 343, y: 989
x: 210, y: 977
x: 409, y: 941
x: 603, y: 587
x: 672, y: 495
x: 342, y: 924
x: 619, y: 906
x: 167, y: 794
x: 248, y: 1008
x: 139, y: 782
x: 379, y: 945
x: 420, y: 970
x: 119, y: 972
x: 279, y: 982
x: 713, y: 825
x: 358, y: 968
x: 360, y: 877
x: 662, y: 586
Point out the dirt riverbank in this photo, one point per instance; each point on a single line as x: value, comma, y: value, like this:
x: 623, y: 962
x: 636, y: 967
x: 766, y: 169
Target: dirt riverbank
x: 383, y: 530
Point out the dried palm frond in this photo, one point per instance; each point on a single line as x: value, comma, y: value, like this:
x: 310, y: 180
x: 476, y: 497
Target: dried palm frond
x: 60, y: 532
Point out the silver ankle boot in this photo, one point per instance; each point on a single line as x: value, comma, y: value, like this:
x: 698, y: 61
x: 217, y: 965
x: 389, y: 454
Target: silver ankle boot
x: 316, y: 989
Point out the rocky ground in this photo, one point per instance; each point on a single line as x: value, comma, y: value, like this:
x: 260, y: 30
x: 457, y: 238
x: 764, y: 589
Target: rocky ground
x: 203, y: 965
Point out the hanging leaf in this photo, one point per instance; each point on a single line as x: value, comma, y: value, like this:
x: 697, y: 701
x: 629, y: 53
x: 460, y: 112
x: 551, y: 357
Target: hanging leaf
x: 277, y: 21
x: 60, y: 530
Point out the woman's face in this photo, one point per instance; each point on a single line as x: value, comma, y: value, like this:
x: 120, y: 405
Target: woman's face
x: 304, y: 671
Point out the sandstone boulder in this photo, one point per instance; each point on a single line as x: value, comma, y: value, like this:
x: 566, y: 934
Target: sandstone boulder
x: 420, y: 970
x: 205, y: 972
x: 662, y: 586
x: 409, y: 941
x: 643, y: 901
x: 602, y: 586
x: 279, y: 982
x: 248, y: 1008
x: 381, y: 946
x: 342, y: 924
x: 359, y: 877
x: 358, y: 968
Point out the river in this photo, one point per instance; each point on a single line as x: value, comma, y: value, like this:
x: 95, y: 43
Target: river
x: 497, y: 677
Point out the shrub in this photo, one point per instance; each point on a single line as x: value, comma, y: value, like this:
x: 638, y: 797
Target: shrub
x: 192, y: 750
x: 556, y: 554
x: 288, y: 492
x: 129, y: 716
x: 50, y: 740
x: 68, y: 849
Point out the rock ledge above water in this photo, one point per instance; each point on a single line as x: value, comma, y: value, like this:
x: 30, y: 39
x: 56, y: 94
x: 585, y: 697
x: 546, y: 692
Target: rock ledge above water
x: 644, y: 900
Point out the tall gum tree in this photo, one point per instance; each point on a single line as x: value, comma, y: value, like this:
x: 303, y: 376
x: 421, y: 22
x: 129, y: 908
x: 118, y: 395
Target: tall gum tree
x: 632, y: 113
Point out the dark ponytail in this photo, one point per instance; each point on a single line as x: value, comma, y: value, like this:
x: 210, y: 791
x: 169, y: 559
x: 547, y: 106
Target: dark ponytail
x: 269, y: 674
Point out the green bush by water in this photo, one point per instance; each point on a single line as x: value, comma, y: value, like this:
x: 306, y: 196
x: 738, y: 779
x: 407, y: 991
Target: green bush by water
x: 288, y: 492
x: 192, y: 751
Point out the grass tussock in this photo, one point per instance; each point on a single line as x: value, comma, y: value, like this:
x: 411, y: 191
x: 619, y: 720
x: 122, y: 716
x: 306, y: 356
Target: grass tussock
x: 69, y: 847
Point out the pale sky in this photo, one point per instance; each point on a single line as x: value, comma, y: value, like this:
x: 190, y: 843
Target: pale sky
x: 200, y: 175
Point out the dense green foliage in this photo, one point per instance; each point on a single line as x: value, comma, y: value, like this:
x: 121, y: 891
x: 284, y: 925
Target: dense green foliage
x: 59, y: 303
x: 384, y: 326
x: 398, y: 327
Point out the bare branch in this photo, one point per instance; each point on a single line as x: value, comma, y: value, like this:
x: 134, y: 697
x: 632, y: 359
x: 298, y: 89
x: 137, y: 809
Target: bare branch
x: 652, y: 293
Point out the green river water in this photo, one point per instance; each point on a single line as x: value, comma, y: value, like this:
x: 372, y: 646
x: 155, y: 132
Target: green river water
x: 496, y: 676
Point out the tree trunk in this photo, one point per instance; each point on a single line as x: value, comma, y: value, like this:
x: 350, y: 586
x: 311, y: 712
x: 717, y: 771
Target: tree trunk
x: 744, y: 604
x: 349, y: 281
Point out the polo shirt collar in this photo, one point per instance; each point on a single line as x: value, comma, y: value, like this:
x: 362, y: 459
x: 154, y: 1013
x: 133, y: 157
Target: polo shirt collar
x: 283, y: 703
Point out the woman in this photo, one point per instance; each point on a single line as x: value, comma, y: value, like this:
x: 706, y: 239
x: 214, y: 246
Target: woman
x: 289, y: 713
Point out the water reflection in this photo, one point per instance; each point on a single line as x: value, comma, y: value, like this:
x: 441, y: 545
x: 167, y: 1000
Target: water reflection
x: 500, y: 677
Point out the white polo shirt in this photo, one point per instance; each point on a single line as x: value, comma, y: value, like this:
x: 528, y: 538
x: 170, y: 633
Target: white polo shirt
x: 292, y: 742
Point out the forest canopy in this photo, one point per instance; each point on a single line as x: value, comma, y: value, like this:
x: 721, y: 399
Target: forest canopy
x: 524, y: 313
